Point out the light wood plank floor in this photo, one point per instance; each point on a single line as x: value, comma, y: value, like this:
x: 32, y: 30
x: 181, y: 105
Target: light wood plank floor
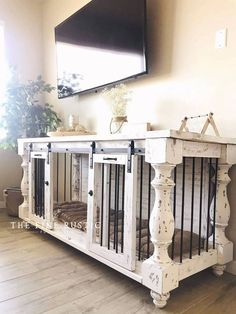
x: 39, y: 274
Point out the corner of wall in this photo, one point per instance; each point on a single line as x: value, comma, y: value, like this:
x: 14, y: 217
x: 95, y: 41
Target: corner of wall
x: 231, y: 268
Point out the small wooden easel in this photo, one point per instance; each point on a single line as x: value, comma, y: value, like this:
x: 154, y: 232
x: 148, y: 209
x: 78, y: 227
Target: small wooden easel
x: 209, y: 120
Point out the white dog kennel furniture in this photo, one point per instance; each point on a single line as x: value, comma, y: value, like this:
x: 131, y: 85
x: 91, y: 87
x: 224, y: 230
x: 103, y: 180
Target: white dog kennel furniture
x: 154, y: 208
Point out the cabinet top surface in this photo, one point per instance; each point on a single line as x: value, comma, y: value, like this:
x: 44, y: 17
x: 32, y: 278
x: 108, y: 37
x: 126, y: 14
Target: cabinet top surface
x: 189, y: 136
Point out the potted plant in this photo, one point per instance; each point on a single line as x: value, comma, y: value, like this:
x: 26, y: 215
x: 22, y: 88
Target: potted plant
x: 118, y: 96
x: 24, y: 112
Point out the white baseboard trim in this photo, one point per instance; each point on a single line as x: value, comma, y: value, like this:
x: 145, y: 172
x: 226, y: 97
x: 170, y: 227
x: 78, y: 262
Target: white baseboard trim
x: 231, y: 268
x: 2, y: 204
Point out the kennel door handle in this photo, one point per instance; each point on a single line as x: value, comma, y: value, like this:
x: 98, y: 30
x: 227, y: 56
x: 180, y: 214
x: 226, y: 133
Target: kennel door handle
x: 46, y: 183
x: 90, y: 193
x: 109, y: 158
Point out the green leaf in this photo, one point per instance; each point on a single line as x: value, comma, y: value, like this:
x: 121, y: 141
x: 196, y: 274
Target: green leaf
x: 25, y: 114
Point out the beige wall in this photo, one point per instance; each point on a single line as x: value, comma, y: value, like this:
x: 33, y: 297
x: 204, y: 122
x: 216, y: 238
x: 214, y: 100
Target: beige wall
x: 23, y: 36
x: 54, y: 12
x: 187, y: 74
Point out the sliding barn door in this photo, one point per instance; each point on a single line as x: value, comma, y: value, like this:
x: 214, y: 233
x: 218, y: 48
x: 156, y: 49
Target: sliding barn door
x: 40, y: 189
x: 111, y: 209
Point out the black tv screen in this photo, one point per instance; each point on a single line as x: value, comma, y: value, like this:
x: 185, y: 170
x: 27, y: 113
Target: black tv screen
x: 102, y: 43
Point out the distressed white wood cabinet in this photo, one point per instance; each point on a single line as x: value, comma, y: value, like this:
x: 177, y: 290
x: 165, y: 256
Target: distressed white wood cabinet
x: 153, y: 207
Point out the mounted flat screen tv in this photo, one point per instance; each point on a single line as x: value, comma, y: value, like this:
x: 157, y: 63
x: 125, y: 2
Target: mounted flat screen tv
x: 103, y: 43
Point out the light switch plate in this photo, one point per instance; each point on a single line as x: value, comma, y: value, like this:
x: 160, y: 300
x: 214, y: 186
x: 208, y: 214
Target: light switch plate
x: 221, y: 38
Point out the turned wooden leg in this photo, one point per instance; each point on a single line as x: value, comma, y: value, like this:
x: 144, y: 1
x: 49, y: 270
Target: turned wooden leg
x: 160, y: 273
x: 24, y: 207
x: 162, y: 220
x: 218, y: 270
x: 223, y: 245
x: 160, y: 300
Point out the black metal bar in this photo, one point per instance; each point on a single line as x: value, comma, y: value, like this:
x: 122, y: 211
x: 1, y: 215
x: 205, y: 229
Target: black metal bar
x: 36, y: 195
x: 109, y: 208
x: 40, y: 188
x: 64, y: 177
x: 91, y: 153
x: 182, y: 212
x: 102, y: 205
x: 70, y: 177
x: 192, y: 208
x: 200, y: 208
x: 208, y: 204
x: 149, y: 208
x: 57, y: 180
x: 174, y: 213
x: 43, y: 188
x: 70, y: 150
x: 117, y: 207
x: 119, y: 150
x: 214, y: 210
x: 129, y: 158
x: 29, y: 151
x: 42, y: 183
x: 122, y: 209
x: 87, y: 150
x: 49, y: 146
x: 140, y: 207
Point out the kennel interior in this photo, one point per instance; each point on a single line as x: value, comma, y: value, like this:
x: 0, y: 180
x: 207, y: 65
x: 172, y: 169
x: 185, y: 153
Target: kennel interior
x: 193, y: 202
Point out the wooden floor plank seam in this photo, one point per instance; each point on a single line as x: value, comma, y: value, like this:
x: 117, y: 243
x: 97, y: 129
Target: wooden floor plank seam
x: 40, y: 274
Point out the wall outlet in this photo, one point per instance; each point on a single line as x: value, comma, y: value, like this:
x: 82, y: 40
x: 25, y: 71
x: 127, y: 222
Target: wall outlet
x: 221, y: 38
